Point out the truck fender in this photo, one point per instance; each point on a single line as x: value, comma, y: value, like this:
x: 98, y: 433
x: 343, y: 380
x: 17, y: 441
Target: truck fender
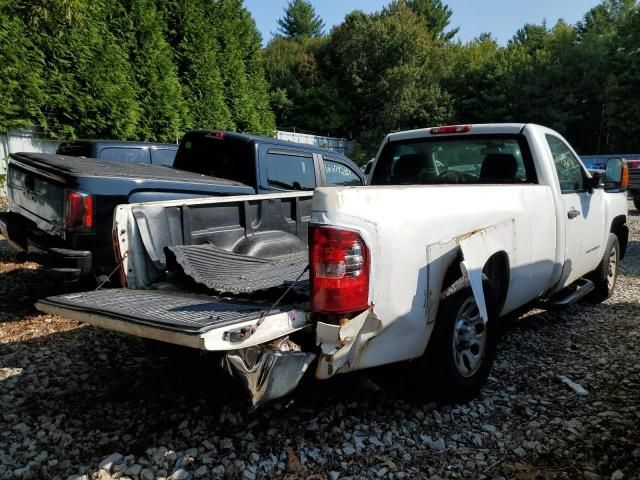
x: 477, y: 248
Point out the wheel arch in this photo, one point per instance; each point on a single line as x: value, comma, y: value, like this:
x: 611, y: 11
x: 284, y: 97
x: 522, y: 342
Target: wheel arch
x: 496, y: 270
x: 619, y: 229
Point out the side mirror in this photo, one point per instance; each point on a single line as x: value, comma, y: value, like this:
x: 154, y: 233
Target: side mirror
x: 616, y: 176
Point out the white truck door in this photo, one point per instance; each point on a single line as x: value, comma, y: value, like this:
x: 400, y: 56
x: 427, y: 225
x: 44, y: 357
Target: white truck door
x: 583, y: 215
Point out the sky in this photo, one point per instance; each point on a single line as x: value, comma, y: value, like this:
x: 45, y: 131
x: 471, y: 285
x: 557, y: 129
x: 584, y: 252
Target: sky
x: 500, y: 17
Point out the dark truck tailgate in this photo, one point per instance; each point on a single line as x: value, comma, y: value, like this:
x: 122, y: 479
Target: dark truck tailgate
x: 38, y: 195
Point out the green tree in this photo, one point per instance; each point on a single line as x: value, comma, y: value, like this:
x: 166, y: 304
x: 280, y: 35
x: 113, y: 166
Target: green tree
x: 623, y: 108
x: 300, y: 21
x: 246, y: 90
x: 21, y: 84
x: 388, y: 68
x: 163, y: 111
x: 531, y: 37
x: 196, y: 51
x: 304, y: 96
x: 437, y: 17
x: 89, y: 85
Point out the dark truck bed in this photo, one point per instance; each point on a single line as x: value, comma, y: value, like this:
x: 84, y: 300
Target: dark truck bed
x: 214, y: 264
x: 38, y: 186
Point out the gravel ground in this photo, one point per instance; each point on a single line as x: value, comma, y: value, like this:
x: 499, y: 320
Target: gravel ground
x: 80, y: 402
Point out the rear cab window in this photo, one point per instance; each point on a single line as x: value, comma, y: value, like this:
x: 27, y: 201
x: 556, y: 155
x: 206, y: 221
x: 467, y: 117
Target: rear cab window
x: 289, y: 170
x: 163, y: 156
x: 468, y: 159
x: 125, y: 155
x: 74, y: 149
x: 216, y: 155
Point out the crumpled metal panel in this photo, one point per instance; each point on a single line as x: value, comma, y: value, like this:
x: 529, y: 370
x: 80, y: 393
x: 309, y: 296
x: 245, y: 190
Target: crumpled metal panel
x: 269, y: 371
x: 228, y: 272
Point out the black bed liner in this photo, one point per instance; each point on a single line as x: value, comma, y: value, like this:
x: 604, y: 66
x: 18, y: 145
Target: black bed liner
x: 178, y: 312
x: 229, y: 272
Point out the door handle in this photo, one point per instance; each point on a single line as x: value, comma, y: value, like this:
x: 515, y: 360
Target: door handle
x: 573, y: 213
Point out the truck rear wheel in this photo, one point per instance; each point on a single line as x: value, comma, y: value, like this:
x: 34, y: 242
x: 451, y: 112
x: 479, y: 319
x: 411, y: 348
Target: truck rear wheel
x: 636, y: 202
x: 605, y: 276
x: 462, y: 347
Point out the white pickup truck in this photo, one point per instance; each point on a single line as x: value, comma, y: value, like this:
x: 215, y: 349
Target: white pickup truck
x: 460, y: 226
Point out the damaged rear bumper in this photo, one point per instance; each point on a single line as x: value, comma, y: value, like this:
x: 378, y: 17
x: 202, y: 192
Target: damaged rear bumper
x: 272, y: 370
x: 269, y: 371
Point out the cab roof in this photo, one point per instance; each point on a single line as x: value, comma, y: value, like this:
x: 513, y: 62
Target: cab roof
x: 468, y: 129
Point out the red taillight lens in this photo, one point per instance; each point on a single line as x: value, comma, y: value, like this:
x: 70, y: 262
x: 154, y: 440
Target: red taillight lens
x: 450, y: 129
x: 78, y: 210
x: 340, y: 263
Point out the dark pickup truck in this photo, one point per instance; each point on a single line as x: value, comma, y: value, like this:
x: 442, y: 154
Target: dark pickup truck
x: 121, y: 151
x: 61, y: 207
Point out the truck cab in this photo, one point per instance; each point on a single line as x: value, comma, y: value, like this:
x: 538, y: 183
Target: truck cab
x: 267, y: 164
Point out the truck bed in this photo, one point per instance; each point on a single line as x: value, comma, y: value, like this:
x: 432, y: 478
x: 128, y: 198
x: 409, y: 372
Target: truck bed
x: 92, y: 167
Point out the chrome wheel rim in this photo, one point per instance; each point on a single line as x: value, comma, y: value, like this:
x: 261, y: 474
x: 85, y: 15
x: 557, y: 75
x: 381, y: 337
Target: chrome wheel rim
x: 469, y: 338
x: 612, y: 268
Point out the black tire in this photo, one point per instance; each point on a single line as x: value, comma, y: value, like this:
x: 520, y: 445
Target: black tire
x: 604, y: 277
x: 441, y: 361
x: 636, y: 202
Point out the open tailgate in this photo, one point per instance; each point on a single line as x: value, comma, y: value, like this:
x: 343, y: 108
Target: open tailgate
x: 197, y: 321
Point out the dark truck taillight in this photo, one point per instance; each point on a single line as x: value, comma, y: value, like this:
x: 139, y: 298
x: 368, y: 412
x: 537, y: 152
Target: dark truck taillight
x: 339, y: 261
x: 78, y: 211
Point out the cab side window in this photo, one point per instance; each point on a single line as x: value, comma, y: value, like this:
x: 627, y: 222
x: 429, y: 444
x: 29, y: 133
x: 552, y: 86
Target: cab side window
x: 290, y: 171
x: 570, y: 173
x: 339, y: 175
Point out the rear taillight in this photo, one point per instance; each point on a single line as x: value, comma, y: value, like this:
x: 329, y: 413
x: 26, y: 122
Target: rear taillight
x: 78, y: 210
x: 339, y: 261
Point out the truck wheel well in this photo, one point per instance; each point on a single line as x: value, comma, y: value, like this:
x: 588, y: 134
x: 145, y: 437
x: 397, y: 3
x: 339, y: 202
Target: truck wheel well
x: 497, y: 272
x: 620, y: 229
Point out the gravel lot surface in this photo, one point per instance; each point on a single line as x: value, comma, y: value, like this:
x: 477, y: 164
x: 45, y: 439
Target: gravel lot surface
x: 79, y: 402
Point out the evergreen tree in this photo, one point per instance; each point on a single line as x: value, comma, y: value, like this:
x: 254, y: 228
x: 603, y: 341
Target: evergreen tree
x: 197, y: 51
x: 89, y: 85
x: 300, y: 21
x: 163, y: 112
x: 21, y: 84
x: 246, y: 91
x: 437, y: 17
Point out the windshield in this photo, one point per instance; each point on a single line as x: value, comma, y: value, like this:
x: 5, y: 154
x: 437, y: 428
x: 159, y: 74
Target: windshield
x: 469, y: 159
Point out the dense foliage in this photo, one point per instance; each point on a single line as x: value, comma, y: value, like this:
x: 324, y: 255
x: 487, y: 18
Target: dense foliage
x: 150, y: 69
x: 399, y: 68
x: 145, y: 69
